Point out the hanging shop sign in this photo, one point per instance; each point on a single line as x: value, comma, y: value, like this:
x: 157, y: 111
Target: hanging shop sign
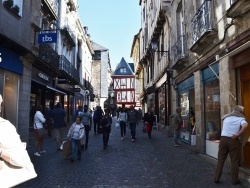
x: 77, y: 89
x: 47, y: 38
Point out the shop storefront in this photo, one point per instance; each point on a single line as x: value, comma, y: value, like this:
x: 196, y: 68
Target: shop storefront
x: 11, y: 70
x: 212, y: 115
x: 187, y: 102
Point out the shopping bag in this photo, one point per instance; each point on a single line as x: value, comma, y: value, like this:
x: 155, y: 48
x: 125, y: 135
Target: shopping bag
x: 117, y: 125
x: 66, y: 149
x: 147, y: 127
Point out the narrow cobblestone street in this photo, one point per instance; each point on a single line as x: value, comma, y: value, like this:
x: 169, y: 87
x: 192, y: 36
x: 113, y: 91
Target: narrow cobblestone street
x: 146, y: 163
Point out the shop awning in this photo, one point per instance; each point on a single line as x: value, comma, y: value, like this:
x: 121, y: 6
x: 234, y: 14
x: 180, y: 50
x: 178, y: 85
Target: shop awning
x: 54, y: 89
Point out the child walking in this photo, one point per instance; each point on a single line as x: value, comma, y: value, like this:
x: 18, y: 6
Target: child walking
x: 75, y: 135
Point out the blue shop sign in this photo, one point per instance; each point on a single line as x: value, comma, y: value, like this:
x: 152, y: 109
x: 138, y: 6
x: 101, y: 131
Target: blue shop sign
x: 47, y: 38
x: 9, y: 60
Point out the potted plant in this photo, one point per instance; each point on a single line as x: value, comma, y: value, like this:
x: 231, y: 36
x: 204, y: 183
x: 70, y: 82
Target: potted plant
x: 8, y: 3
x: 15, y: 9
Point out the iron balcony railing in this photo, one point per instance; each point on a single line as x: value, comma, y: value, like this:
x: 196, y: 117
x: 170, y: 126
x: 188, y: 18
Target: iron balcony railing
x: 53, y: 6
x: 49, y: 55
x: 68, y: 68
x: 179, y: 49
x: 202, y: 21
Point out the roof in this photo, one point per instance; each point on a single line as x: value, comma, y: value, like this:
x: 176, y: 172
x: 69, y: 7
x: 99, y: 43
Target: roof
x: 123, y: 64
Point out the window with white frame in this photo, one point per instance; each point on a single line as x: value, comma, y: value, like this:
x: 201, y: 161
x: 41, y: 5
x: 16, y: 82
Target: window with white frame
x: 15, y: 6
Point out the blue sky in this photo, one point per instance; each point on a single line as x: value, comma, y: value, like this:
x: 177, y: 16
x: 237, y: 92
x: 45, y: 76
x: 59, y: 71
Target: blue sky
x: 112, y: 24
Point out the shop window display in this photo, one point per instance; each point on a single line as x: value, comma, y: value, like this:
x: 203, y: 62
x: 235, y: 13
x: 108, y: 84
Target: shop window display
x: 212, y: 111
x: 185, y: 129
x: 162, y: 105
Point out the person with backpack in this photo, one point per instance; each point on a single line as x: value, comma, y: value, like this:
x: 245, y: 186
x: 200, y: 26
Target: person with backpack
x: 133, y: 118
x: 87, y: 122
x: 106, y: 123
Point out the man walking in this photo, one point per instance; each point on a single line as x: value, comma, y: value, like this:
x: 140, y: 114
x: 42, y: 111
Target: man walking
x: 59, y: 119
x: 87, y: 122
x: 133, y: 118
x: 234, y: 126
x: 177, y: 123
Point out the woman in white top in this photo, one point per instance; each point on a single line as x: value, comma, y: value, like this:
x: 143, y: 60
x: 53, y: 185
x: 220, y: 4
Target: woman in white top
x: 39, y: 120
x: 123, y: 120
x: 75, y: 135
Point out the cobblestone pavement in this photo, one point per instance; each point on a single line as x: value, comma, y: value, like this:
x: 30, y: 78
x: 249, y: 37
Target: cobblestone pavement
x: 145, y: 163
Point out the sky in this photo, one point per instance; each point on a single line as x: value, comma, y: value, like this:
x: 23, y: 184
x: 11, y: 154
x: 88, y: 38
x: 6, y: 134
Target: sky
x: 112, y: 24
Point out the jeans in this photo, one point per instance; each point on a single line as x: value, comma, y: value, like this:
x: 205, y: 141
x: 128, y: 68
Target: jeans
x: 87, y: 129
x: 105, y: 137
x: 96, y: 125
x: 76, y: 148
x: 123, y: 128
x: 176, y: 136
x: 233, y: 148
x: 133, y: 129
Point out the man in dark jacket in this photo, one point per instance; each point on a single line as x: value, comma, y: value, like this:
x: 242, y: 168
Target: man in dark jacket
x: 133, y: 118
x: 59, y: 119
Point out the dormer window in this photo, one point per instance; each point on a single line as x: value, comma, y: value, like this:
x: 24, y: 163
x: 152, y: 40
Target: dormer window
x: 123, y: 70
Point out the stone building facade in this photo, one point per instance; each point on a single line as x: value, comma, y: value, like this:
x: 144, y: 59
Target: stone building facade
x: 207, y: 43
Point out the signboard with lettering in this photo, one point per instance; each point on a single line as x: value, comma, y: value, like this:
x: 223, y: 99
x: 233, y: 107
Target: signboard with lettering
x: 47, y: 38
x: 61, y: 81
x: 43, y: 76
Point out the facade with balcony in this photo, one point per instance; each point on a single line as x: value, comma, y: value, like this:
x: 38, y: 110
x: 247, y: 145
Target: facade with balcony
x: 208, y: 66
x: 17, y: 53
x: 154, y: 59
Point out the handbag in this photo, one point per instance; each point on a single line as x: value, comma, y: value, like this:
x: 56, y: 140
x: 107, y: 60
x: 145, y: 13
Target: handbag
x: 11, y: 175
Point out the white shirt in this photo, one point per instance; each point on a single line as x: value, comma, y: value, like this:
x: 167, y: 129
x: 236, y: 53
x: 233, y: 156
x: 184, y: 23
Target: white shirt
x: 39, y: 120
x: 232, y: 125
x: 123, y: 116
x: 76, y: 132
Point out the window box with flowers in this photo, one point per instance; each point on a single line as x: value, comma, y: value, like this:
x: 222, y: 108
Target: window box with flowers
x: 14, y: 6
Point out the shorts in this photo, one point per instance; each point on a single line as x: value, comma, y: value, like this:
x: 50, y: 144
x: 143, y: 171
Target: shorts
x: 59, y: 132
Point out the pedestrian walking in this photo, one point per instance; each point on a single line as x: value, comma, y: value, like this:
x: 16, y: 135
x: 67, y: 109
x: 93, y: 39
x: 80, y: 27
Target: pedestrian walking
x: 48, y: 117
x: 59, y: 124
x: 140, y: 112
x: 106, y: 123
x: 123, y: 120
x: 87, y: 122
x: 39, y: 131
x: 133, y: 117
x: 77, y: 111
x: 234, y: 126
x: 177, y: 123
x: 149, y: 120
x: 75, y: 135
x: 98, y: 113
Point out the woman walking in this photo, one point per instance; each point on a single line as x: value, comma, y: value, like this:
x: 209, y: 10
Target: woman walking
x: 75, y: 135
x: 123, y: 120
x: 106, y: 123
x: 149, y: 120
x: 39, y: 120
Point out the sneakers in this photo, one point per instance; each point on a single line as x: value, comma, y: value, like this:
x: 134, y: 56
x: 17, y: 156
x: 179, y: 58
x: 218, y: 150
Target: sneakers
x: 177, y: 145
x: 133, y: 140
x: 122, y: 137
x: 37, y: 154
x: 42, y: 151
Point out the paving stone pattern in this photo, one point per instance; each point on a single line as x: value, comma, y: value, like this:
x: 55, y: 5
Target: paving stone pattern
x: 147, y: 163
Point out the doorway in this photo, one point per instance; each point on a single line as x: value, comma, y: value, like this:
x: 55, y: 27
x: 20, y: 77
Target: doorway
x: 245, y: 92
